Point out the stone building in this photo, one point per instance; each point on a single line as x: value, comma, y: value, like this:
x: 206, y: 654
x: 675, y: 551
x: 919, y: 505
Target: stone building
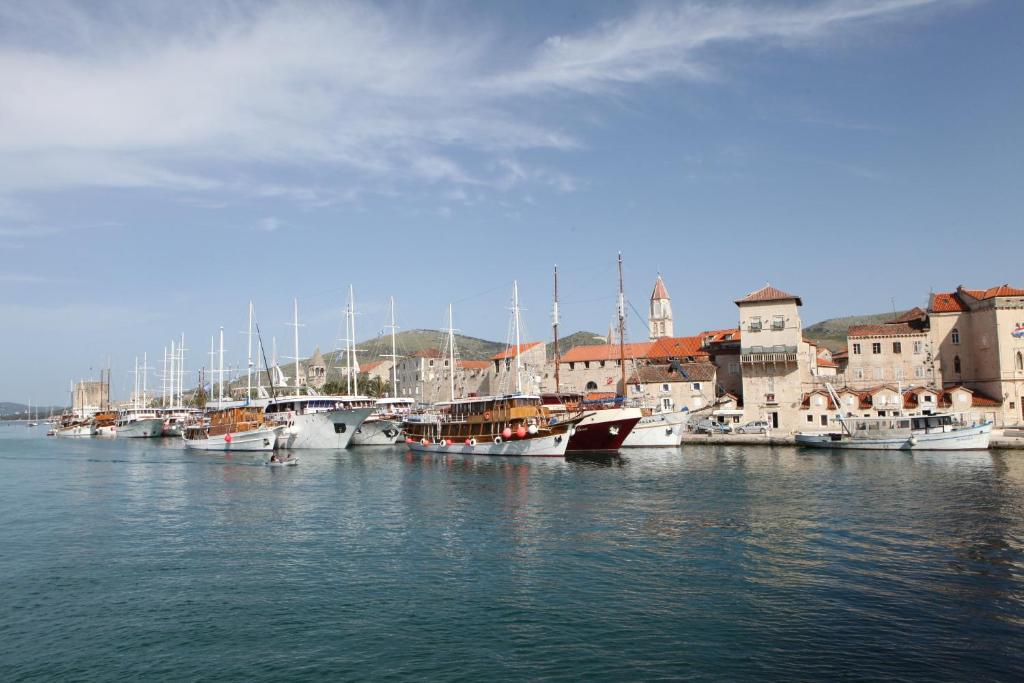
x: 597, y: 368
x: 898, y: 351
x: 532, y: 363
x: 316, y: 370
x: 674, y: 386
x: 427, y: 376
x: 773, y: 357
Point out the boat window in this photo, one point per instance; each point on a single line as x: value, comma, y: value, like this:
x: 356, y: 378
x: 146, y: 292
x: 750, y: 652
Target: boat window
x: 904, y: 424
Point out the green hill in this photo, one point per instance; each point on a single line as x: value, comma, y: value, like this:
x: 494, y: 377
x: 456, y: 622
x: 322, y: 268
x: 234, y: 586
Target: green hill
x: 831, y: 333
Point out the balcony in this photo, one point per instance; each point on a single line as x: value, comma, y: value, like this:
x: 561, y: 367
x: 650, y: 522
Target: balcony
x: 768, y: 355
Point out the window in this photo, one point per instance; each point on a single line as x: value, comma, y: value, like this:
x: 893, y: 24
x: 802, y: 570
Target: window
x: 919, y: 372
x: 963, y: 398
x: 666, y: 404
x: 430, y: 363
x: 879, y: 373
x: 876, y: 347
x: 734, y: 368
x: 897, y: 373
x: 446, y: 363
x: 918, y: 348
x: 955, y: 336
x: 810, y: 418
x: 897, y: 347
x: 818, y: 400
x: 602, y: 364
x: 956, y: 364
x: 858, y: 373
x: 849, y: 400
x: 928, y: 398
x: 695, y: 386
x: 778, y: 322
x: 664, y: 387
x: 755, y: 324
x: 824, y: 420
x: 856, y: 349
x: 586, y: 364
x: 880, y: 400
x: 1020, y: 361
x: 591, y: 386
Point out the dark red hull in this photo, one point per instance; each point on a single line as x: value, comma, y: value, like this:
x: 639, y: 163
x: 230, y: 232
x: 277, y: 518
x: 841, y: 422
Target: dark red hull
x: 601, y: 436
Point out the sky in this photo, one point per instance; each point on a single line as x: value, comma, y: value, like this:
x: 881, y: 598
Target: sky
x: 164, y: 163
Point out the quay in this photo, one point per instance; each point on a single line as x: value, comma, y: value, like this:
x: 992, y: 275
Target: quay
x: 1009, y: 439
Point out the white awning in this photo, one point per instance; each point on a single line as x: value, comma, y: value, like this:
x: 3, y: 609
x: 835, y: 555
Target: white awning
x: 727, y: 413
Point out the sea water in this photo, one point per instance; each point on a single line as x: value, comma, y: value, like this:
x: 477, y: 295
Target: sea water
x: 133, y: 558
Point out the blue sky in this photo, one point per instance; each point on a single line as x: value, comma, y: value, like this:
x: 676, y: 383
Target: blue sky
x: 165, y: 163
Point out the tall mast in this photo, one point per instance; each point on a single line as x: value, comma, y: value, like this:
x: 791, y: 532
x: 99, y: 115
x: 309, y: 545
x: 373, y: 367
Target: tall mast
x: 163, y: 381
x: 353, y: 362
x: 622, y: 330
x: 295, y: 325
x: 181, y: 372
x: 248, y: 373
x: 349, y: 324
x: 174, y: 374
x: 213, y: 357
x: 394, y: 353
x: 451, y: 354
x: 515, y: 311
x: 554, y: 326
x: 220, y: 372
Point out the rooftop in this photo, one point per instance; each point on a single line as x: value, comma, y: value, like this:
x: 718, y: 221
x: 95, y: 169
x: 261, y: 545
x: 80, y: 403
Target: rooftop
x: 692, y: 372
x: 596, y: 352
x: 511, y: 352
x: 769, y: 293
x: 676, y: 347
x: 885, y: 330
x: 659, y: 289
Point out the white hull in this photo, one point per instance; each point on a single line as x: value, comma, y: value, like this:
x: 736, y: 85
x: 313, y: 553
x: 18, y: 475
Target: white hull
x: 328, y: 429
x: 107, y: 431
x: 262, y: 439
x: 662, y: 430
x: 76, y: 431
x: 141, y: 429
x: 375, y: 432
x: 967, y: 439
x: 546, y: 446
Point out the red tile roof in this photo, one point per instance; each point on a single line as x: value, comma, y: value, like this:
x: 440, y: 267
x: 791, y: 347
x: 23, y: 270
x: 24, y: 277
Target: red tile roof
x: 716, y: 336
x: 769, y: 293
x: 826, y: 363
x: 946, y: 302
x: 427, y: 353
x: 676, y: 347
x: 373, y: 364
x: 510, y: 352
x: 978, y: 399
x: 659, y: 289
x: 600, y: 396
x: 473, y: 364
x: 992, y: 292
x: 887, y: 330
x: 592, y: 352
x: 652, y: 374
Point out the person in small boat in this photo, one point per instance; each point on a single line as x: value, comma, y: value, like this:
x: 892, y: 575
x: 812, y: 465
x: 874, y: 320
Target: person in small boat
x: 275, y: 458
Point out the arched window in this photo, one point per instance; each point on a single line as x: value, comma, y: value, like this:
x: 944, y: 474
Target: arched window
x: 956, y: 364
x: 591, y: 386
x: 1020, y: 360
x: 955, y: 336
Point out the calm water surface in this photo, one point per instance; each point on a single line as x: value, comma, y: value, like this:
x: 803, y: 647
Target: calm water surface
x: 134, y: 559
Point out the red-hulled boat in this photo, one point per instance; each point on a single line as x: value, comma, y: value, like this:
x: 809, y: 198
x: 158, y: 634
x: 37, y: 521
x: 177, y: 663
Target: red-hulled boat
x: 603, y: 428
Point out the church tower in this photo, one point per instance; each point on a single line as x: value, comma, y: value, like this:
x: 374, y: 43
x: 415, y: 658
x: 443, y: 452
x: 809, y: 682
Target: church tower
x: 660, y: 318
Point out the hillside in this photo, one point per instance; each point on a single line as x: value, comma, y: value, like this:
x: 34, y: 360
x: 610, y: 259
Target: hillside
x: 17, y: 410
x: 831, y: 333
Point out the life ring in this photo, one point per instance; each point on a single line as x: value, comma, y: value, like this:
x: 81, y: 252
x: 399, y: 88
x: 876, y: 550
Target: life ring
x: 487, y: 416
x: 424, y: 441
x: 472, y: 442
x: 497, y: 439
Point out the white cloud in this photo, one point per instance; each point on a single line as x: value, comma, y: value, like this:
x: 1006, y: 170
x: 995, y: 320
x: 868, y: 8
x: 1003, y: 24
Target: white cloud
x: 256, y: 99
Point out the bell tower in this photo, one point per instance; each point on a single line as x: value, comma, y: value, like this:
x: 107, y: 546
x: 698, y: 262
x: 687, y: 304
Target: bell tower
x: 659, y: 320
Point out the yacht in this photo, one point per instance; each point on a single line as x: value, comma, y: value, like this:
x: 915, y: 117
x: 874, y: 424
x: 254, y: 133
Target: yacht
x: 312, y: 421
x: 601, y: 429
x: 662, y: 429
x: 141, y: 423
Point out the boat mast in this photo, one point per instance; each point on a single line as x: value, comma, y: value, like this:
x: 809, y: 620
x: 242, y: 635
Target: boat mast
x: 213, y: 357
x: 163, y: 381
x: 295, y: 324
x: 181, y: 373
x: 350, y: 344
x: 145, y: 382
x: 135, y: 386
x: 515, y: 312
x: 554, y: 326
x: 220, y: 372
x: 394, y: 353
x: 174, y: 374
x: 248, y: 373
x: 451, y: 354
x: 622, y: 330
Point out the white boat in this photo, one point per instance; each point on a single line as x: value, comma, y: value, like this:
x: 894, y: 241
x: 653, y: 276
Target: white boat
x: 945, y: 432
x: 75, y: 429
x: 384, y: 426
x: 937, y: 432
x: 658, y: 430
x: 287, y: 462
x: 138, y: 423
x: 232, y: 429
x: 311, y: 421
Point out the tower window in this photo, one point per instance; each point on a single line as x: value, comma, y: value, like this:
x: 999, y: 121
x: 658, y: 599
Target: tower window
x: 955, y: 336
x: 956, y: 364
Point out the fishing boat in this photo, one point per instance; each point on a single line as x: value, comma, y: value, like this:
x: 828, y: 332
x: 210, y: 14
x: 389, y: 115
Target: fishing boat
x: 383, y: 427
x: 74, y: 426
x: 936, y: 432
x: 231, y: 429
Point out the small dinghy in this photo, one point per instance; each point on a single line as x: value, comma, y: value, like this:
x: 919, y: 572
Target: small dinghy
x: 283, y: 463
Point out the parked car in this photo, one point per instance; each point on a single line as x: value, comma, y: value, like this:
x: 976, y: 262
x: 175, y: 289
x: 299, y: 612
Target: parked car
x: 706, y: 426
x: 754, y: 427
